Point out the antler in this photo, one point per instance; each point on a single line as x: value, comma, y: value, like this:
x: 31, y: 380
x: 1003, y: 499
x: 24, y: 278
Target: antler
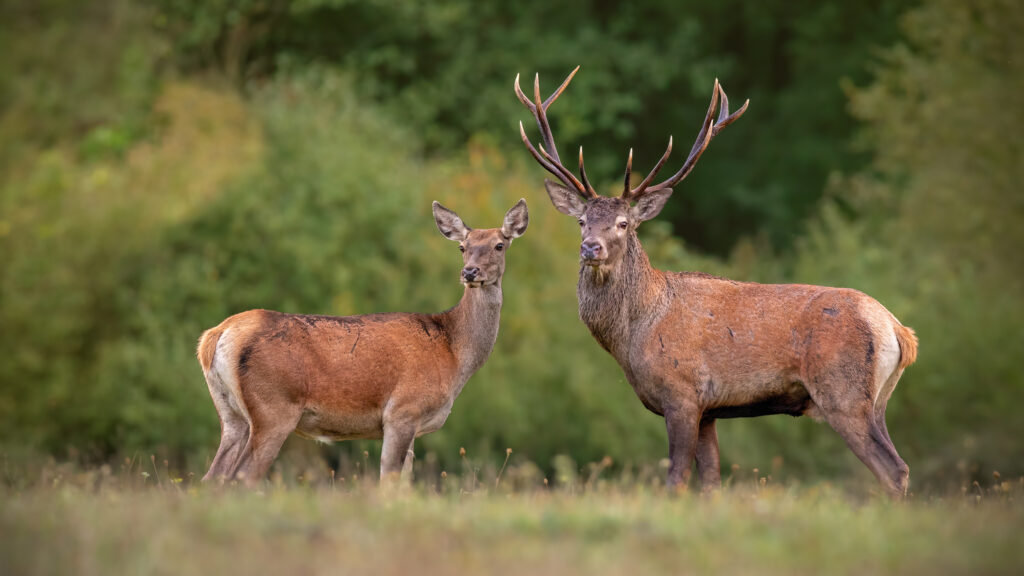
x: 548, y: 155
x: 709, y: 129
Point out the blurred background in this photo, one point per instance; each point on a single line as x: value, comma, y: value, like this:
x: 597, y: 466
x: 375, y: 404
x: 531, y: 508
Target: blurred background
x: 165, y: 164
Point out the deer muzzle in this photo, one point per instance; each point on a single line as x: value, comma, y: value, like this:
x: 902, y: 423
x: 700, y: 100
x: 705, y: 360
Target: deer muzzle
x: 471, y: 276
x: 592, y: 251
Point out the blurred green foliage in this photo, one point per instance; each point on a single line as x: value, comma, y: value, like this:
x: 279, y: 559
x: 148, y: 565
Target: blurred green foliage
x: 446, y: 68
x: 164, y: 166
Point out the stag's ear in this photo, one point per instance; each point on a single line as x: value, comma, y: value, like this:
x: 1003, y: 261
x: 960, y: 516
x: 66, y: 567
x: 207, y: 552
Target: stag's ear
x: 516, y: 220
x: 566, y: 200
x: 449, y: 223
x: 651, y: 204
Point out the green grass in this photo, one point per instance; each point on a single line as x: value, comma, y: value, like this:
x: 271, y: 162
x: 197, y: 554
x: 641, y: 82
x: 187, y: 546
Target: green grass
x: 68, y: 521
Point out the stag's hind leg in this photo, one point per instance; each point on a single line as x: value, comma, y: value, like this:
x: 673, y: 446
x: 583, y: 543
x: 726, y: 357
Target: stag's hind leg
x: 883, y: 400
x: 850, y: 372
x: 870, y: 443
x: 849, y: 410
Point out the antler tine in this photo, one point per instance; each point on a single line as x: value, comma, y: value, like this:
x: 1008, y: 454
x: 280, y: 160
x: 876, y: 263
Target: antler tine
x: 536, y: 155
x: 565, y: 175
x: 583, y: 176
x: 724, y: 118
x: 548, y: 154
x: 557, y: 93
x: 707, y: 132
x: 639, y: 190
x: 540, y: 111
x: 522, y: 97
x: 629, y: 173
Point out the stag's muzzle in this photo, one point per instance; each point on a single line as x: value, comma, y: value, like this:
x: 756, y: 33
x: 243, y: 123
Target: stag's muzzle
x: 592, y: 250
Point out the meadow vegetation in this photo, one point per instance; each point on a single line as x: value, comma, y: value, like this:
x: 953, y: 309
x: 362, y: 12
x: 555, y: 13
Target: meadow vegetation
x: 137, y: 518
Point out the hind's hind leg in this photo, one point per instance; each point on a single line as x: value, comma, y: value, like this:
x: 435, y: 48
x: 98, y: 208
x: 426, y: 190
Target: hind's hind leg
x: 233, y: 436
x: 270, y: 427
x: 234, y: 429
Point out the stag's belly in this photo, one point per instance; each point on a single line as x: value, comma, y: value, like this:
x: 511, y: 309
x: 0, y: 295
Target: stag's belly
x: 725, y: 379
x: 792, y: 399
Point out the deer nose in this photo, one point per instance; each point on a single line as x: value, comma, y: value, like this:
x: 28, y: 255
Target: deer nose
x: 591, y: 249
x: 470, y: 273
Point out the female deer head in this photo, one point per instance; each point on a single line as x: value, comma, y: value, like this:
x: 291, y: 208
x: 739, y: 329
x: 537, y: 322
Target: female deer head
x: 483, y: 251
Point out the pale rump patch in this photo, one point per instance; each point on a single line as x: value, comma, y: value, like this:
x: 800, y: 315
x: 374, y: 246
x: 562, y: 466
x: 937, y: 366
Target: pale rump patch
x: 884, y: 346
x: 225, y: 372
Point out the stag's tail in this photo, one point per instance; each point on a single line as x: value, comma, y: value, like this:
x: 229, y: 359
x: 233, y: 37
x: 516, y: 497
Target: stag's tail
x: 908, y: 345
x: 208, y: 345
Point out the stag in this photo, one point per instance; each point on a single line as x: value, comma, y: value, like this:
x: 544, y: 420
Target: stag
x: 392, y: 376
x: 697, y: 348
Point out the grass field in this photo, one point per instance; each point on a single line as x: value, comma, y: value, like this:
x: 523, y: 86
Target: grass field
x: 73, y: 521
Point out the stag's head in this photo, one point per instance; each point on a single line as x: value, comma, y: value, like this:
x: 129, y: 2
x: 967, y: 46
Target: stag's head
x: 483, y: 251
x: 607, y: 222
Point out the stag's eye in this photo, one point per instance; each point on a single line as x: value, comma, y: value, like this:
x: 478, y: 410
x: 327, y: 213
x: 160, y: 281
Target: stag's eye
x: 581, y: 222
x: 623, y: 225
x: 462, y: 248
x: 499, y: 247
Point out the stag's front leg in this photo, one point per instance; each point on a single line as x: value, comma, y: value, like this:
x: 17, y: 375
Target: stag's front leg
x: 683, y: 425
x: 708, y: 466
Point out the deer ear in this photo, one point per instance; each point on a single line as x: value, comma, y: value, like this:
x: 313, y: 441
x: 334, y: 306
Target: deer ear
x: 516, y: 220
x: 651, y: 204
x: 449, y: 223
x: 566, y: 201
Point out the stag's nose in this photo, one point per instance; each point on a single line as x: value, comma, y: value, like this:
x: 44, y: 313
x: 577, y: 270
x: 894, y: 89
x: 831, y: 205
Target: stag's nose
x: 591, y: 250
x: 469, y: 273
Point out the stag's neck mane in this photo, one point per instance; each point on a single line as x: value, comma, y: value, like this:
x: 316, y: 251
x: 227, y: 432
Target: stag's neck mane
x: 472, y: 327
x: 617, y: 303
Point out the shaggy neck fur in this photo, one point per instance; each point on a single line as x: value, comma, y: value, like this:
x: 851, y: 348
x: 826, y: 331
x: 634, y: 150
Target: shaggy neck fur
x: 472, y: 327
x: 618, y: 301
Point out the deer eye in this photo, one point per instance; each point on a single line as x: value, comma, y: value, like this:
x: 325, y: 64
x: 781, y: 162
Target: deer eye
x: 462, y: 248
x: 623, y: 224
x: 581, y: 222
x: 499, y: 247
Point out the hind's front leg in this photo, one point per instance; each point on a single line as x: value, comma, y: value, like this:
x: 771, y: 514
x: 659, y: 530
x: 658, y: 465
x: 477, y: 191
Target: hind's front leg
x: 398, y: 439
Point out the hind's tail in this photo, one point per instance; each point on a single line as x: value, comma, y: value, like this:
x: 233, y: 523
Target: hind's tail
x: 207, y: 346
x: 908, y: 345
